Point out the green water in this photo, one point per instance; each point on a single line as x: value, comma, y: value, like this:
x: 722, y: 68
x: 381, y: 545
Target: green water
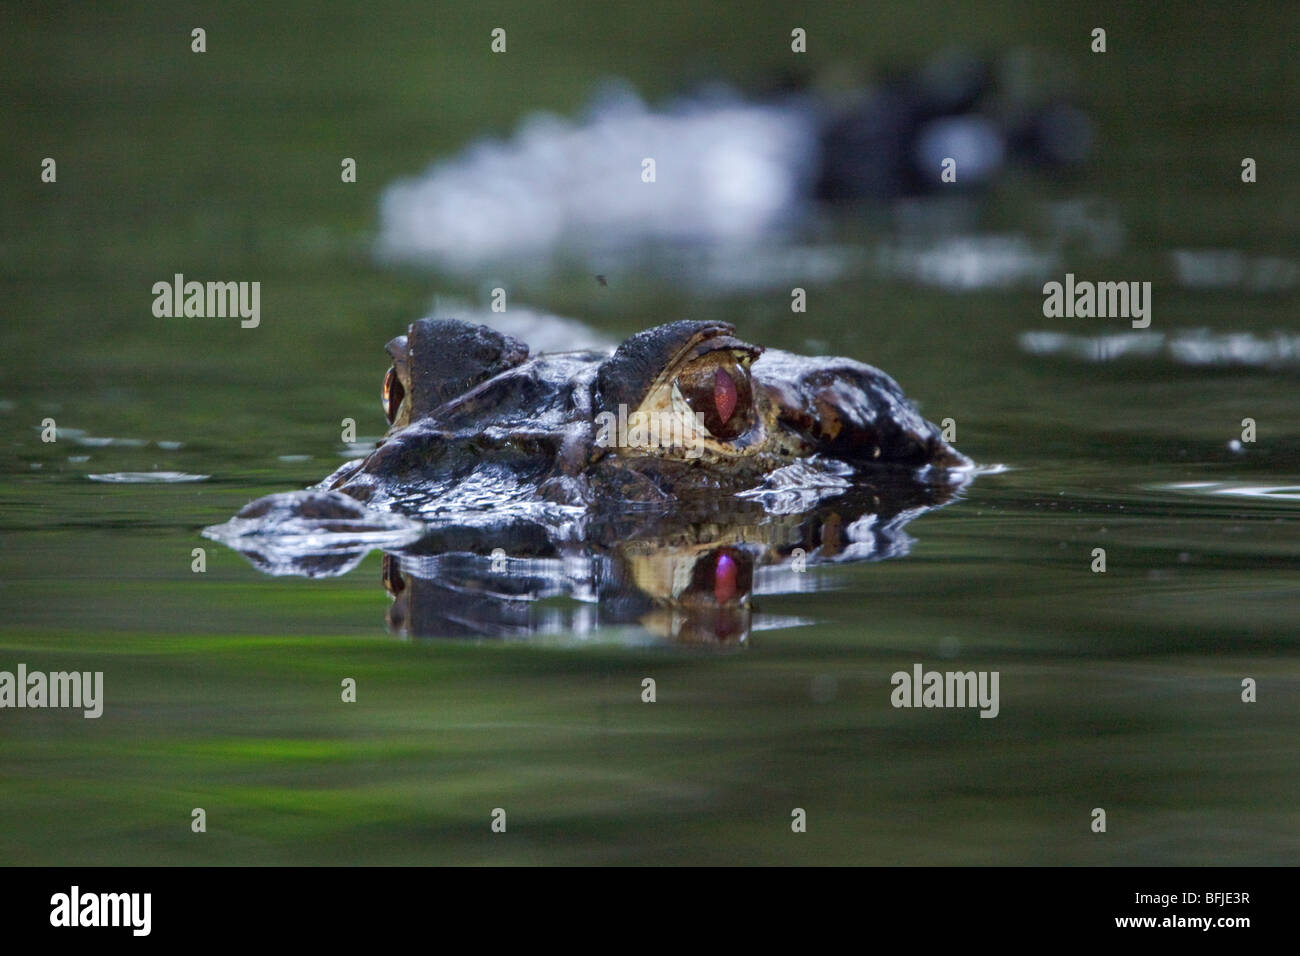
x: 1119, y: 690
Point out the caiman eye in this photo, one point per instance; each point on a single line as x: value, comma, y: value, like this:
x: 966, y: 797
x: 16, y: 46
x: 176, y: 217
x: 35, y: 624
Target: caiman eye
x: 717, y: 386
x: 393, y: 395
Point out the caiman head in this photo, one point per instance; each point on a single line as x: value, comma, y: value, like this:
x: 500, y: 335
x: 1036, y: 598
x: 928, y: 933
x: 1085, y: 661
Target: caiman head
x: 677, y: 411
x: 657, y: 480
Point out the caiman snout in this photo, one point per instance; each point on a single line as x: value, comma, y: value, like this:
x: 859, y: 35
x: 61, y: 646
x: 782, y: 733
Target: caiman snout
x: 850, y: 411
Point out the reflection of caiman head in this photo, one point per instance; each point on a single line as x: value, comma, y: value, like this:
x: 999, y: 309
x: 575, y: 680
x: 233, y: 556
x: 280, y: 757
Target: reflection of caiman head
x: 686, y: 574
x: 664, y: 482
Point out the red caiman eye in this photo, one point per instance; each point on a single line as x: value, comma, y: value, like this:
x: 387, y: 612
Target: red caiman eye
x: 717, y: 387
x: 724, y: 394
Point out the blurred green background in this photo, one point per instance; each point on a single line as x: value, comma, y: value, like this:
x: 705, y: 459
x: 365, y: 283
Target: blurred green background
x: 1118, y: 690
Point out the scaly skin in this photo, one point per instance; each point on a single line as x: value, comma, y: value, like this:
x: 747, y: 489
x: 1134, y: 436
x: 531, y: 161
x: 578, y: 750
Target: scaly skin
x: 469, y: 409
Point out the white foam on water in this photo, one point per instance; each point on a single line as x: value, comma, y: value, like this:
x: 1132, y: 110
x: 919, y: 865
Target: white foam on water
x: 725, y: 172
x: 1232, y: 269
x: 968, y: 262
x: 1197, y: 348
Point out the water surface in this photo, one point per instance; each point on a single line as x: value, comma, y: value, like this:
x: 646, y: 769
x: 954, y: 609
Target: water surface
x: 1119, y: 690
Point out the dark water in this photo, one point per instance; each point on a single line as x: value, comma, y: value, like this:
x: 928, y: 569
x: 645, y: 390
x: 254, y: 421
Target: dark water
x: 1119, y: 690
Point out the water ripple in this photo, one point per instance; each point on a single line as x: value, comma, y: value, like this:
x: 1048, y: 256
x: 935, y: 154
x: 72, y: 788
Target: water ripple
x: 1233, y: 489
x: 147, y: 477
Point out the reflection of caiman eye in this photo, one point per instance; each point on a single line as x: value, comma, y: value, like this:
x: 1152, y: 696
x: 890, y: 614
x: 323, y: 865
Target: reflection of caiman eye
x: 391, y: 574
x: 717, y: 386
x: 726, y: 575
x: 393, y: 395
